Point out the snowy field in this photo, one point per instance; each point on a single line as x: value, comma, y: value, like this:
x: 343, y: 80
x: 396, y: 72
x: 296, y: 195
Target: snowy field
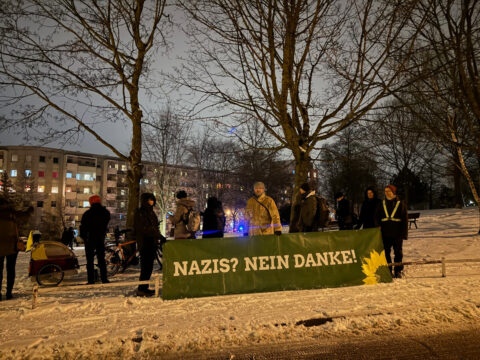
x: 113, y: 323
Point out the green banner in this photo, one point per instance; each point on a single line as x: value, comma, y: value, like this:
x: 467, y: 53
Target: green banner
x: 208, y: 267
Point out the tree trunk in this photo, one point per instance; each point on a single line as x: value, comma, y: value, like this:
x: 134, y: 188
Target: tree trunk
x: 457, y: 185
x: 302, y: 167
x: 135, y: 171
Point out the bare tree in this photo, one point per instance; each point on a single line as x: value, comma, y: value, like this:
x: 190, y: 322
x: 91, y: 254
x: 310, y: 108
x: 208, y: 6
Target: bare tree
x: 444, y: 88
x: 304, y: 69
x: 76, y: 64
x: 166, y: 146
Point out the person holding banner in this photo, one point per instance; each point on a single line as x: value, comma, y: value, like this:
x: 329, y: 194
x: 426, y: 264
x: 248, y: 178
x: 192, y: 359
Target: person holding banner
x: 261, y: 213
x: 308, y: 210
x: 392, y: 216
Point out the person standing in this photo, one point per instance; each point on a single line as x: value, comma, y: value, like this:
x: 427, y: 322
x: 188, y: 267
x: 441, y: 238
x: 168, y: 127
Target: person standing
x: 213, y: 219
x: 147, y: 234
x: 93, y: 229
x: 344, y: 212
x: 180, y: 219
x: 308, y: 210
x: 9, y: 218
x: 261, y: 213
x: 368, y: 210
x: 392, y: 216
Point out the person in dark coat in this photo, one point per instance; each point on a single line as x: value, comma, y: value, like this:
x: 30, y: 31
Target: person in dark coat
x: 392, y: 216
x: 147, y: 234
x: 344, y: 212
x: 308, y: 209
x: 93, y: 229
x: 9, y: 219
x: 213, y: 219
x: 179, y: 219
x: 68, y: 236
x: 368, y: 210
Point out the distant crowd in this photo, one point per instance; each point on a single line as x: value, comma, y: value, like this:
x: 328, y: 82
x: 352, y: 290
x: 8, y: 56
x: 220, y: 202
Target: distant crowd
x: 310, y: 214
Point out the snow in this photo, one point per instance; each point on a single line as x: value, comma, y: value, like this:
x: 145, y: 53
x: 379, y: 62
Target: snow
x: 111, y: 321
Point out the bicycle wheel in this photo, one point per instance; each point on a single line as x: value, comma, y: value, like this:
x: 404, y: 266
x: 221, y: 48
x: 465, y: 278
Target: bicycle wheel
x: 50, y: 275
x: 159, y: 258
x: 113, y: 261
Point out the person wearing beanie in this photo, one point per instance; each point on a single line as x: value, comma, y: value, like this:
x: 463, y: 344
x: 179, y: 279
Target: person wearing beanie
x: 368, y: 210
x: 392, y: 217
x: 344, y: 212
x: 147, y: 235
x: 93, y: 229
x: 308, y: 209
x: 261, y: 213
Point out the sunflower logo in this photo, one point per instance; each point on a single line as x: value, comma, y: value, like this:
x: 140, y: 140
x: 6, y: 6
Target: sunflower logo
x: 373, y: 266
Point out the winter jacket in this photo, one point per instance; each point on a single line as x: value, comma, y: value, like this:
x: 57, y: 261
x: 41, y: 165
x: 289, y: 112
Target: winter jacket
x: 261, y: 216
x: 94, y: 224
x: 308, y: 209
x: 9, y: 219
x: 179, y: 220
x: 297, y: 205
x: 145, y: 223
x: 213, y: 221
x: 396, y: 228
x: 344, y: 214
x: 367, y: 212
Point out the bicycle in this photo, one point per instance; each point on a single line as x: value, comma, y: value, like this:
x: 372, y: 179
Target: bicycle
x: 120, y: 255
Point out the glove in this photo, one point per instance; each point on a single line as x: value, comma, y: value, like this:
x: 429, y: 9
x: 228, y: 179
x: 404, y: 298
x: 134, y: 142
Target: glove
x: 278, y: 232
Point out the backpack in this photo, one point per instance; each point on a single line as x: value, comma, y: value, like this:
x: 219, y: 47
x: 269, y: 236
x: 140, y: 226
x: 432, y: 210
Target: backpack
x: 322, y: 215
x: 192, y: 222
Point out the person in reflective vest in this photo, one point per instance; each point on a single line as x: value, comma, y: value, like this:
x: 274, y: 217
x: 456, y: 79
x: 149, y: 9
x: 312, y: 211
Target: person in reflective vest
x: 392, y: 217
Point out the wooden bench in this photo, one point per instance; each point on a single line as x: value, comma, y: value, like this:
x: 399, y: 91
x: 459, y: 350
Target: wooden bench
x: 412, y: 219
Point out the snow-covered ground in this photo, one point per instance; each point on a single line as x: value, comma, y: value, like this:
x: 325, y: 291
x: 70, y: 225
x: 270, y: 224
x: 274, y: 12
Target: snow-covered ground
x: 112, y: 322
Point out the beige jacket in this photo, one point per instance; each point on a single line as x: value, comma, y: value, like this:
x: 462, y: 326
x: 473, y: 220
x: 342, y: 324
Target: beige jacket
x: 258, y: 220
x: 178, y: 220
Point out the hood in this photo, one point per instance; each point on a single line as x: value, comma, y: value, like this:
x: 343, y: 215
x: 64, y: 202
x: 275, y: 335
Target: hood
x: 374, y: 193
x: 212, y: 202
x: 144, y: 199
x: 188, y: 203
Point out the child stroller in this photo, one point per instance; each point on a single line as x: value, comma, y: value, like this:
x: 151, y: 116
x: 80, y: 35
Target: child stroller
x: 50, y: 261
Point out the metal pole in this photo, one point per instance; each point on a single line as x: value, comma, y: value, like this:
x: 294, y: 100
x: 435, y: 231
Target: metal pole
x: 444, y: 268
x: 157, y: 285
x: 35, y: 296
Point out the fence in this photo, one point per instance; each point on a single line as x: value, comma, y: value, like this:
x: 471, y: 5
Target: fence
x: 443, y: 262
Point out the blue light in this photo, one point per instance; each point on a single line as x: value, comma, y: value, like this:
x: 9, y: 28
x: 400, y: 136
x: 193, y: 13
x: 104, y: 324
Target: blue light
x: 232, y: 130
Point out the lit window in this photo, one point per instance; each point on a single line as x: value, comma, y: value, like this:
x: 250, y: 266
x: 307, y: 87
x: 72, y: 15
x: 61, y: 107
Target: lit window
x: 86, y: 204
x: 86, y: 190
x: 87, y: 177
x: 78, y: 177
x: 41, y: 188
x: 122, y: 204
x: 28, y: 173
x: 28, y: 188
x: 314, y: 174
x: 185, y: 174
x: 68, y: 189
x: 124, y: 167
x: 55, y: 174
x: 122, y: 192
x: 54, y: 189
x: 13, y: 173
x: 41, y: 173
x: 146, y: 181
x: 14, y: 157
x: 69, y: 175
x: 77, y: 218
